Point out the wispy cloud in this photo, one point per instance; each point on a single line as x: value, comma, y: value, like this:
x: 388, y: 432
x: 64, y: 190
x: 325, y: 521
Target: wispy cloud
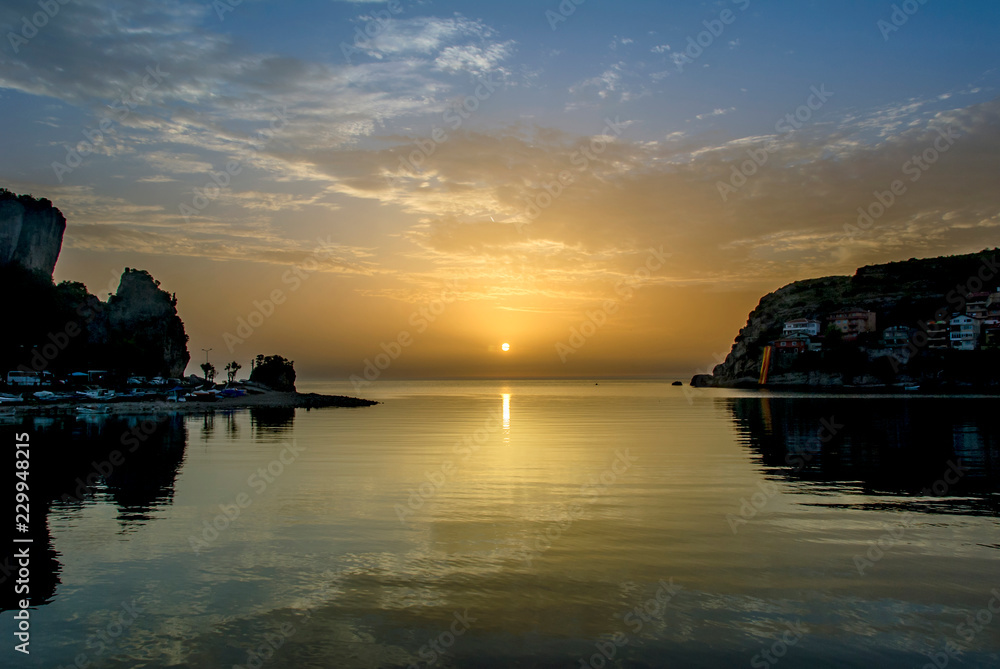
x: 715, y: 112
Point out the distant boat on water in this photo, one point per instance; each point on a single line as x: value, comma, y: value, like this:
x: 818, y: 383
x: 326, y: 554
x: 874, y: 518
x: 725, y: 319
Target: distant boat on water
x: 10, y: 399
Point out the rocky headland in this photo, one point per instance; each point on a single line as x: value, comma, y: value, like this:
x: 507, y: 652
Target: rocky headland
x: 64, y: 329
x: 907, y: 298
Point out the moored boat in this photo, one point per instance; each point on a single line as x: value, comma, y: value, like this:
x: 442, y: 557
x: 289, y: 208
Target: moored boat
x: 204, y: 395
x: 96, y: 394
x: 49, y: 396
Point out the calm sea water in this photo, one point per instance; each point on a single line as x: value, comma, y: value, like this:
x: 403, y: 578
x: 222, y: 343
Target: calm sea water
x: 520, y: 524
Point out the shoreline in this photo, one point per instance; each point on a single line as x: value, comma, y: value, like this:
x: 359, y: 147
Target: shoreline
x: 272, y: 399
x: 846, y: 389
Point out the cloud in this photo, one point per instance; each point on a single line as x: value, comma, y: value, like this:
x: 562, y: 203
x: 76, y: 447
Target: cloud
x: 715, y: 112
x: 215, y: 97
x: 489, y: 203
x: 608, y: 82
x: 473, y: 59
x: 425, y: 35
x: 175, y: 163
x: 620, y: 41
x: 787, y: 221
x: 336, y: 259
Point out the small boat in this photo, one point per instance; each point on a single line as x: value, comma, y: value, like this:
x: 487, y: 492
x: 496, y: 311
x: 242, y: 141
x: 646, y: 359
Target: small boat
x: 10, y: 399
x: 204, y: 395
x: 88, y: 409
x: 96, y: 394
x: 176, y: 394
x: 911, y: 388
x: 49, y: 396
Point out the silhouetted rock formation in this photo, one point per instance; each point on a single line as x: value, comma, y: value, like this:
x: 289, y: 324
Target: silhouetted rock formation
x: 137, y: 331
x: 142, y: 320
x: 31, y: 232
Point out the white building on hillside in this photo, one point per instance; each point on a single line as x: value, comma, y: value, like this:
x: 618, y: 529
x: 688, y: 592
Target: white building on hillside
x: 964, y: 333
x: 802, y: 326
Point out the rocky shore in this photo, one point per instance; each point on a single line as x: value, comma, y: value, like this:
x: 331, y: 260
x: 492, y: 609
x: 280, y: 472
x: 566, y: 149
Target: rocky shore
x: 916, y: 305
x: 268, y: 400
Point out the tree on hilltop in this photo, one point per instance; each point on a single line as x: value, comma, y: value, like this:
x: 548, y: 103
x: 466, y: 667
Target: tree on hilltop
x: 274, y: 372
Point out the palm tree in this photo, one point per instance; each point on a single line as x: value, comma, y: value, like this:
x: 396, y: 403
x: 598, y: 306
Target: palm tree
x: 232, y: 368
x: 209, y: 370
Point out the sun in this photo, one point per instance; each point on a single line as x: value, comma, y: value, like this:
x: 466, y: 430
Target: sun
x: 505, y: 346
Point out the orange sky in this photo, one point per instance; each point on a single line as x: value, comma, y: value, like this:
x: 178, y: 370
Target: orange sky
x: 356, y: 275
x: 589, y: 175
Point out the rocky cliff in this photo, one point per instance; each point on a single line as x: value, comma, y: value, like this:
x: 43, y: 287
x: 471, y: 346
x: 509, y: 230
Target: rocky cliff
x: 807, y: 298
x: 901, y: 293
x: 31, y: 232
x: 65, y: 328
x: 143, y: 320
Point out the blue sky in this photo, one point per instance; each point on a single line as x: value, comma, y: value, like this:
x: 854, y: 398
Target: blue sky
x: 326, y: 147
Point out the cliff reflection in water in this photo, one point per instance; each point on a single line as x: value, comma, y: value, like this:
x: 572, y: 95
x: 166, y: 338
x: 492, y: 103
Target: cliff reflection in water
x: 128, y: 461
x: 881, y: 446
